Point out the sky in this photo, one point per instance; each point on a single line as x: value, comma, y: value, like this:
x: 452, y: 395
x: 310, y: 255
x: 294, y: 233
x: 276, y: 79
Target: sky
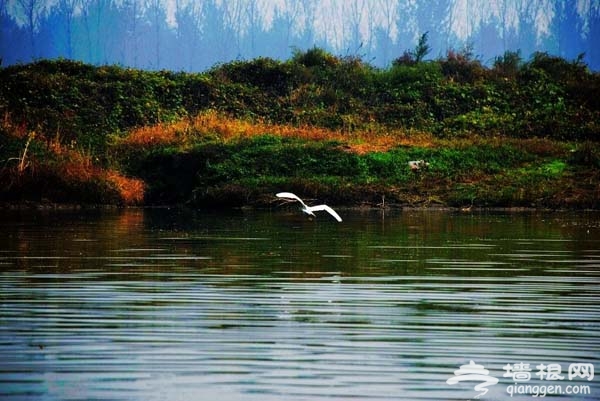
x: 193, y: 35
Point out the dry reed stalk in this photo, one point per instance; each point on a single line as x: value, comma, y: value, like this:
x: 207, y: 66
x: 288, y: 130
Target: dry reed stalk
x: 23, y: 157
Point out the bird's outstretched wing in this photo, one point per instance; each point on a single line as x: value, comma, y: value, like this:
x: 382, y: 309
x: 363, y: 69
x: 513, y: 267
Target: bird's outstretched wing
x: 326, y: 209
x: 289, y: 195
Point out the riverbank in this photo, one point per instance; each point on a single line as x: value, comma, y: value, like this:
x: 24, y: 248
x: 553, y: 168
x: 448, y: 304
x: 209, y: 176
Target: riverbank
x: 518, y: 137
x: 213, y: 160
x: 277, y: 205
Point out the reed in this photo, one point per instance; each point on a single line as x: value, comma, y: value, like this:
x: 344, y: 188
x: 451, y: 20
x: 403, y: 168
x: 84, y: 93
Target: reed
x: 47, y: 169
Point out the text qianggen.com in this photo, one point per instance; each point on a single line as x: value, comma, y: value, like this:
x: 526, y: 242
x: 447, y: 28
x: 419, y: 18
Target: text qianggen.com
x: 543, y: 390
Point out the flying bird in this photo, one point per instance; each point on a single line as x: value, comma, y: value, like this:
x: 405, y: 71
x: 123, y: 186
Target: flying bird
x: 309, y: 209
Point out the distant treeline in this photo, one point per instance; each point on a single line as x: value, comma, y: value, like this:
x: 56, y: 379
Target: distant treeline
x: 544, y: 96
x: 191, y: 35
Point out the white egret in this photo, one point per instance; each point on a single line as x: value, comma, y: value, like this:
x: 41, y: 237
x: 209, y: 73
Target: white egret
x: 309, y: 209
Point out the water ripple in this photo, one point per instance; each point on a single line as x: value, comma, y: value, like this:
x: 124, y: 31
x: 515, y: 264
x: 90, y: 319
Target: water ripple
x: 149, y: 315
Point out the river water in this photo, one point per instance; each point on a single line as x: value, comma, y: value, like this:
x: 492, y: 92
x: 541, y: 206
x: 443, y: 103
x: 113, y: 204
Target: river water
x: 267, y: 305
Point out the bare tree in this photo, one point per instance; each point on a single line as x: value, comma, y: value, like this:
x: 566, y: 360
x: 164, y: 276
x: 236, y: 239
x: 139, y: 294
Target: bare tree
x: 388, y: 10
x: 130, y: 17
x: 357, y: 18
x: 564, y: 21
x: 590, y: 14
x: 290, y: 13
x: 255, y: 11
x: 157, y: 15
x: 532, y: 26
x: 101, y: 28
x: 3, y: 15
x: 67, y: 9
x: 32, y: 10
x: 189, y: 16
x: 308, y: 10
x: 332, y: 23
x: 235, y: 23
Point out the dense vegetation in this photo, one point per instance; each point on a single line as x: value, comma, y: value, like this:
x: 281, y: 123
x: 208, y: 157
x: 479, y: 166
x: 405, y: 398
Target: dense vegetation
x: 522, y: 133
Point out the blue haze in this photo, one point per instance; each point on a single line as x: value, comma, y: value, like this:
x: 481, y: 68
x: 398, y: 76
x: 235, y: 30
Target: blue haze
x: 187, y: 35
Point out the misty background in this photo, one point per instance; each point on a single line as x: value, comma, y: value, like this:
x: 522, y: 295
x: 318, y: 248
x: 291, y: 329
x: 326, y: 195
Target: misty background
x: 188, y: 35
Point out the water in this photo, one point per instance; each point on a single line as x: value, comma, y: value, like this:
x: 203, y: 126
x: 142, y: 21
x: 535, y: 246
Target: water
x: 250, y: 305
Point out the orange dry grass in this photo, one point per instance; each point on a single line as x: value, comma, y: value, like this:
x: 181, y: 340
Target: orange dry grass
x: 216, y: 126
x: 16, y: 130
x: 155, y: 135
x: 131, y: 190
x: 73, y: 166
x: 77, y: 168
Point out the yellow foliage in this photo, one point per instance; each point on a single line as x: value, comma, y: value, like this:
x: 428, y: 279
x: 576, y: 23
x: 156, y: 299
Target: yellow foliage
x: 212, y: 125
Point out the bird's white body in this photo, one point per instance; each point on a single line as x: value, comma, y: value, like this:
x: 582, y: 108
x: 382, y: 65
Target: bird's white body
x: 309, y: 209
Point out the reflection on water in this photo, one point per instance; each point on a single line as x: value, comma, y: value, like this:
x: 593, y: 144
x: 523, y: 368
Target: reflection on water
x: 174, y: 305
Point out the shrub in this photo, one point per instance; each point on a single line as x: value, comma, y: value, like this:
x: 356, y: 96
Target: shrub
x: 267, y: 74
x: 462, y: 67
x: 315, y: 57
x: 558, y: 68
x: 509, y: 64
x: 586, y: 154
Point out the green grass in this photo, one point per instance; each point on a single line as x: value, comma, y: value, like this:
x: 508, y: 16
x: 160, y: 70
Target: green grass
x: 249, y: 171
x: 522, y: 133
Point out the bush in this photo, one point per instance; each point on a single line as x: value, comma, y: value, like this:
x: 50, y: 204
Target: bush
x: 315, y: 57
x: 509, y: 64
x: 557, y: 68
x: 586, y: 154
x: 461, y: 67
x: 266, y: 74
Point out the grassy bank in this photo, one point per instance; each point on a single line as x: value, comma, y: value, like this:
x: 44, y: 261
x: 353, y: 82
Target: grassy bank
x: 40, y: 169
x: 215, y: 160
x: 334, y: 129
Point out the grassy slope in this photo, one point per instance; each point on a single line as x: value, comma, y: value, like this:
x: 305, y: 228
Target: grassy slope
x: 214, y: 160
x: 520, y: 134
